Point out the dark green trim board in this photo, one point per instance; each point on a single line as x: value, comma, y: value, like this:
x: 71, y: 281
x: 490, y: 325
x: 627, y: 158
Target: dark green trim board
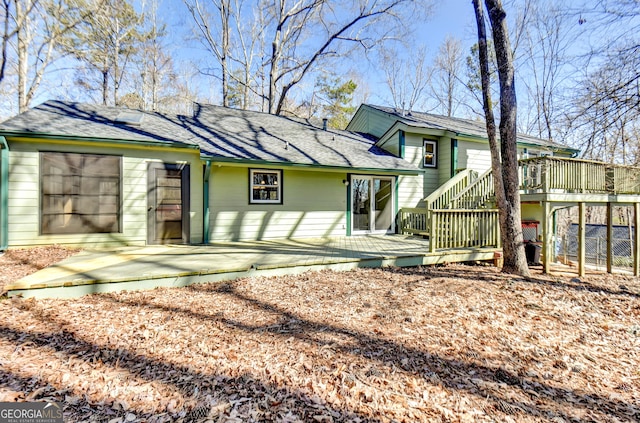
x: 396, y: 203
x: 454, y: 157
x: 4, y: 194
x: 206, y: 205
x: 402, y: 143
x: 349, y: 205
x: 257, y: 163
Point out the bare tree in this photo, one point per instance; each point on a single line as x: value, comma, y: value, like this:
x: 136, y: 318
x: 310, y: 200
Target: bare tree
x: 318, y: 20
x: 407, y: 76
x: 215, y: 36
x: 447, y: 75
x: 504, y: 162
x: 38, y: 27
x: 606, y: 101
x: 107, y: 41
x: 546, y: 37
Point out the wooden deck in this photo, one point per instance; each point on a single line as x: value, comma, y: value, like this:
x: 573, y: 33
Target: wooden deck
x: 462, y: 211
x: 134, y: 268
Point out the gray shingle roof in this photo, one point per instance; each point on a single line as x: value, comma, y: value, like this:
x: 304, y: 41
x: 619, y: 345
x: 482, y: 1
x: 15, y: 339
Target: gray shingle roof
x: 459, y: 125
x: 221, y: 133
x: 68, y: 119
x: 240, y: 134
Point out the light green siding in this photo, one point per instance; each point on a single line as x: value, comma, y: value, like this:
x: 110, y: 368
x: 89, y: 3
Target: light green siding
x: 444, y: 161
x: 371, y: 121
x: 314, y: 205
x: 392, y: 145
x: 474, y: 155
x: 24, y: 195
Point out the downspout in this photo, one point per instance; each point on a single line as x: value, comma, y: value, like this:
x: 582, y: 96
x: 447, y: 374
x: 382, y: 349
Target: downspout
x: 206, y: 207
x: 4, y: 194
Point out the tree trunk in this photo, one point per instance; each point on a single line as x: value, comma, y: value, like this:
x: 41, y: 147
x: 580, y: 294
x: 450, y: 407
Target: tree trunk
x: 504, y: 160
x: 105, y: 86
x: 23, y: 55
x: 224, y: 16
x: 515, y: 260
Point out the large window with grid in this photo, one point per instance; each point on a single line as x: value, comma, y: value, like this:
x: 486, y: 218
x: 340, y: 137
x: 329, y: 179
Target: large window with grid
x: 80, y: 193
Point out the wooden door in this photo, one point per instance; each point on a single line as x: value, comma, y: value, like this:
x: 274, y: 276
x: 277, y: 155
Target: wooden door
x: 168, y: 204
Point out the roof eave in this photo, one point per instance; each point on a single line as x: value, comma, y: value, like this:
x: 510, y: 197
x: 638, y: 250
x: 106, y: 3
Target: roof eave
x: 257, y: 162
x: 77, y: 138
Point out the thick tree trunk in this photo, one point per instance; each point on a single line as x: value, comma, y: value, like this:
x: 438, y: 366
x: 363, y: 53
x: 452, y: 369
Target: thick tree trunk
x: 504, y: 156
x: 515, y: 260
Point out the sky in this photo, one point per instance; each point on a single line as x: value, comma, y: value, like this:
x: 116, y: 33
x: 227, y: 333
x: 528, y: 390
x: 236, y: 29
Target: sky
x: 449, y: 17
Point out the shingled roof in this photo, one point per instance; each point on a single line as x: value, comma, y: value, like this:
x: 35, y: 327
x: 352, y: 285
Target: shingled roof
x: 473, y: 128
x: 246, y: 135
x: 78, y: 120
x: 222, y: 134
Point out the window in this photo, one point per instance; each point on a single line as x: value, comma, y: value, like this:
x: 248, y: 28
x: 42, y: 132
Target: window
x: 80, y: 193
x: 430, y: 153
x: 265, y: 186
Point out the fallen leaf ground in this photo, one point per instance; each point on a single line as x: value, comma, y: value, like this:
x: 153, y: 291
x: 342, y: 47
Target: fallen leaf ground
x: 18, y: 263
x: 437, y: 344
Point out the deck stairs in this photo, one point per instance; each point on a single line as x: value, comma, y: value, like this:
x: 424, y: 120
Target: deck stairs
x: 465, y: 191
x: 461, y: 213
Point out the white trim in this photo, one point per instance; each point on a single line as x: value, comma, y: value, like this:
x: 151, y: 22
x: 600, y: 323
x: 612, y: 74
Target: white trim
x: 424, y: 153
x: 277, y: 185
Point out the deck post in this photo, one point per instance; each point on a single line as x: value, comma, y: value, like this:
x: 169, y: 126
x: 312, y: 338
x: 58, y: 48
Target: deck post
x: 581, y: 239
x: 547, y: 236
x: 636, y: 258
x: 609, y: 237
x: 433, y: 234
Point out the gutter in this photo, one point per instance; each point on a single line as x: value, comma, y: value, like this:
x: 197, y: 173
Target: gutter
x: 72, y: 138
x: 4, y: 194
x: 253, y: 162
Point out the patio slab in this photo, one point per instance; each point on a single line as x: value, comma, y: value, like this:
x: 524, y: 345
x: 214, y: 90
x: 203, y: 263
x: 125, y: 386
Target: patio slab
x: 132, y: 268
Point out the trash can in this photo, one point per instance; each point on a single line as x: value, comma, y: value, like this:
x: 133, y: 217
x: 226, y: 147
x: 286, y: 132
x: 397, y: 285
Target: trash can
x: 532, y: 251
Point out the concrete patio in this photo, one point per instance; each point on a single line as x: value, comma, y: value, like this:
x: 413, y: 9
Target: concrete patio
x: 133, y: 268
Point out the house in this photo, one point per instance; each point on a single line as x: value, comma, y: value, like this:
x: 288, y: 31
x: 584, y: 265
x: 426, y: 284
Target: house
x: 80, y: 174
x: 441, y: 147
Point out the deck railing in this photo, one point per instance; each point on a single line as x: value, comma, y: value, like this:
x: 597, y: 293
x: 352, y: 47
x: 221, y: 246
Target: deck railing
x: 441, y: 197
x: 464, y: 229
x: 553, y: 174
x: 414, y: 221
x: 477, y: 195
x: 455, y: 216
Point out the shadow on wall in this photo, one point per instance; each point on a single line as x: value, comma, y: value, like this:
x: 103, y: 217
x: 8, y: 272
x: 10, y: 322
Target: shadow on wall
x: 259, y: 225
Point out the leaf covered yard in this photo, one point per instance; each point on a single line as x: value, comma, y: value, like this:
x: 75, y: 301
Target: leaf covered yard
x: 453, y: 343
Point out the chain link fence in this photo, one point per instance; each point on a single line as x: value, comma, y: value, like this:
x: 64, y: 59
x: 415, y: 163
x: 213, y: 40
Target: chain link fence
x: 596, y: 238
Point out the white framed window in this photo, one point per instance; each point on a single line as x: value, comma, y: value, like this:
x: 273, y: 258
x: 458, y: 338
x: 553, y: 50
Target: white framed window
x: 430, y: 153
x: 265, y: 186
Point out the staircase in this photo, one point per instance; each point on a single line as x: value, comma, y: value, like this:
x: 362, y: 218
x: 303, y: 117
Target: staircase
x: 460, y: 213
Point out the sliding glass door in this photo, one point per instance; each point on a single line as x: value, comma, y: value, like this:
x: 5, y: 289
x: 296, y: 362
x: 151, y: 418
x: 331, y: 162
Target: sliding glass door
x: 372, y: 204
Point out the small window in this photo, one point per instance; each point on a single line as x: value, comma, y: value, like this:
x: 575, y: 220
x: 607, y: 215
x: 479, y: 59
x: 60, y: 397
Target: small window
x: 265, y: 186
x: 430, y: 153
